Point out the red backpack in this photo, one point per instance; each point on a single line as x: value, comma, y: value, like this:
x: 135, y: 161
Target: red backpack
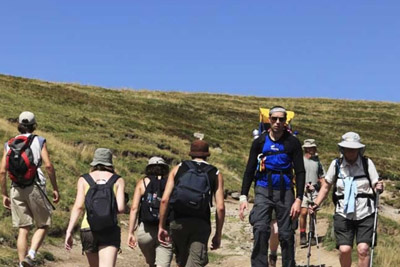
x: 19, y: 160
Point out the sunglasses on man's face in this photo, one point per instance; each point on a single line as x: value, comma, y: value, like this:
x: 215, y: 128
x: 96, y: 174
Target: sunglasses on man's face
x: 281, y: 119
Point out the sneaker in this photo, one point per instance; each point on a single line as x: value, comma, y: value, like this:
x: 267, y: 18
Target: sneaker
x: 272, y: 260
x: 28, y: 262
x: 303, y: 239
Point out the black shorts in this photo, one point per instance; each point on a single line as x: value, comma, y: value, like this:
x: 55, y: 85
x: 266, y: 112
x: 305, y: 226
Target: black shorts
x: 91, y: 241
x: 346, y: 230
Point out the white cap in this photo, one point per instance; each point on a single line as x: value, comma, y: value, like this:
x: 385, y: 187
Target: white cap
x: 26, y: 118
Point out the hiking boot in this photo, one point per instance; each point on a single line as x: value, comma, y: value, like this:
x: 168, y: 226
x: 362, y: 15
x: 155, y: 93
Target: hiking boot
x: 303, y: 239
x: 272, y: 260
x: 28, y: 262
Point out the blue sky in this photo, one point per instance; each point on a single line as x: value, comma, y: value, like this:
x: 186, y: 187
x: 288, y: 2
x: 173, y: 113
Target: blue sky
x: 334, y: 49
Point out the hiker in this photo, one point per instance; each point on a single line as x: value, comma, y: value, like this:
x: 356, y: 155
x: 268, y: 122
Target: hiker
x: 355, y: 180
x: 273, y: 239
x: 314, y: 174
x: 146, y: 202
x: 273, y: 156
x: 28, y: 201
x: 99, y: 231
x: 189, y: 191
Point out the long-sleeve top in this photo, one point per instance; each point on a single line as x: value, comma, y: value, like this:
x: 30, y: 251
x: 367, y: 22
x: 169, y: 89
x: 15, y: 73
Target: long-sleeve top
x: 292, y: 146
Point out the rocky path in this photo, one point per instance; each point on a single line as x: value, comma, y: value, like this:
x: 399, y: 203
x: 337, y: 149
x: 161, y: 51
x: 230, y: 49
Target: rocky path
x: 234, y: 252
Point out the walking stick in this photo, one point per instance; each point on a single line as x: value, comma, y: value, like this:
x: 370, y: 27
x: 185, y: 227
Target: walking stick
x: 310, y: 234
x: 375, y: 226
x: 313, y: 230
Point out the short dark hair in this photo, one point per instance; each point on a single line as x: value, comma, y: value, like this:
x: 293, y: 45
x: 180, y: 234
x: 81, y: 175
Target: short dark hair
x: 26, y: 128
x: 100, y: 167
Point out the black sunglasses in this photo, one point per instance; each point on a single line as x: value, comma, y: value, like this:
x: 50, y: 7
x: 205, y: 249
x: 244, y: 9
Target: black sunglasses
x: 281, y: 119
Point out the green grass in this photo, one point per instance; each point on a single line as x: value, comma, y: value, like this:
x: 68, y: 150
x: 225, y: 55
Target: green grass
x: 77, y: 119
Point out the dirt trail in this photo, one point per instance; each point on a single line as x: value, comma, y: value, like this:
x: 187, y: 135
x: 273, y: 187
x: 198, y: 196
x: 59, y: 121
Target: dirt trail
x: 235, y: 250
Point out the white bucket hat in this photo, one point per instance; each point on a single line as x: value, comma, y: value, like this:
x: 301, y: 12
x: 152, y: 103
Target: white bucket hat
x: 309, y: 143
x: 351, y: 140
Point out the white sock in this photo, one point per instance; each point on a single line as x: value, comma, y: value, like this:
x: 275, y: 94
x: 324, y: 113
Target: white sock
x: 32, y: 254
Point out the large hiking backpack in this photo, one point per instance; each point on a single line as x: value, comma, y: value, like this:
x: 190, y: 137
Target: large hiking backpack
x: 192, y: 192
x: 364, y: 160
x: 19, y: 160
x: 150, y: 201
x: 101, y: 204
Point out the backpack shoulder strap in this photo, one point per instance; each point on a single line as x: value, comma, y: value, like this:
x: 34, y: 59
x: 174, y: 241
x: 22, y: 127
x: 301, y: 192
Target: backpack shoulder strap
x: 190, y: 164
x: 113, y: 179
x: 208, y: 168
x: 31, y: 138
x: 337, y: 167
x: 364, y: 160
x: 144, y: 184
x: 89, y: 179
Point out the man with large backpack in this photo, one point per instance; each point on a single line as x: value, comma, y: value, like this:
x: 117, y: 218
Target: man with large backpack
x: 22, y: 158
x: 356, y: 182
x: 189, y: 191
x: 273, y: 156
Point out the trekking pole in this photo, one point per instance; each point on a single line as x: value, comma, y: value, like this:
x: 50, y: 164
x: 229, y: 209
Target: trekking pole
x: 316, y: 239
x: 375, y: 225
x: 310, y: 234
x: 313, y: 221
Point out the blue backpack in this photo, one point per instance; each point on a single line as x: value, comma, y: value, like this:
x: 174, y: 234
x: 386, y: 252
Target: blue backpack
x: 101, y: 204
x: 192, y: 192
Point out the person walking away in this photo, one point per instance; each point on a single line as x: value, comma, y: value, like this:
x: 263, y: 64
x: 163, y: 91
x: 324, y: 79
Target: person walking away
x: 355, y: 181
x: 28, y: 201
x: 189, y: 191
x: 273, y: 156
x: 101, y: 193
x: 314, y: 174
x: 145, y: 207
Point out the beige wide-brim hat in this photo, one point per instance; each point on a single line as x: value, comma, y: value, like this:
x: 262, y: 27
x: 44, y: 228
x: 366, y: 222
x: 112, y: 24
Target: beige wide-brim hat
x: 309, y: 143
x: 102, y: 156
x: 351, y: 140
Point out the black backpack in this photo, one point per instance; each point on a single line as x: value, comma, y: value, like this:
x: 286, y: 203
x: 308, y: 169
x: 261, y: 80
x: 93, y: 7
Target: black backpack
x: 19, y: 160
x: 192, y: 192
x: 150, y: 201
x: 101, y: 204
x: 364, y: 160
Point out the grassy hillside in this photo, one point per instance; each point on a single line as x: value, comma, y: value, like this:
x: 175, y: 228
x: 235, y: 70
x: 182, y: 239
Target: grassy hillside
x: 76, y: 119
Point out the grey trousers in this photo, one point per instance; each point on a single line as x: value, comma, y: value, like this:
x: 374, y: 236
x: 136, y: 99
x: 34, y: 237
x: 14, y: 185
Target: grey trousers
x: 260, y: 218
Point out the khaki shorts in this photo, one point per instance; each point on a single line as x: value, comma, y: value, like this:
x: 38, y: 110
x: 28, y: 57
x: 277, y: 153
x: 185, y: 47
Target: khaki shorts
x: 190, y: 238
x: 155, y: 253
x: 307, y: 200
x: 28, y: 205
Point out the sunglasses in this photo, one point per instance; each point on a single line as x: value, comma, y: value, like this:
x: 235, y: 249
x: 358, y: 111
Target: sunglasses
x: 281, y: 119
